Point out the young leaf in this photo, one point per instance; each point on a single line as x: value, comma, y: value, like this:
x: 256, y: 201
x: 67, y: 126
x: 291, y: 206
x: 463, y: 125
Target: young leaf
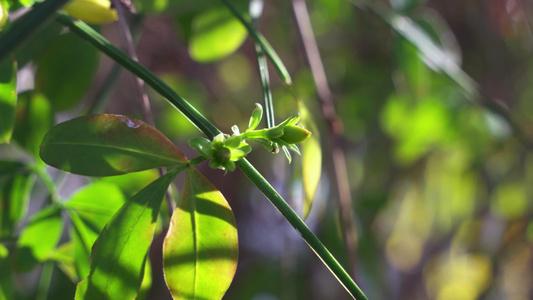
x: 200, y: 251
x: 119, y: 254
x: 256, y: 117
x: 106, y: 145
x: 8, y: 98
x: 7, y: 281
x: 39, y: 238
x: 215, y: 34
x: 311, y: 159
x: 14, y: 201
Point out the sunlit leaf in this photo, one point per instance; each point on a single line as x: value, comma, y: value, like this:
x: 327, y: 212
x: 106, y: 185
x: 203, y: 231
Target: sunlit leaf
x: 39, y: 238
x: 96, y: 203
x: 60, y: 80
x: 200, y: 251
x: 90, y: 209
x: 33, y: 118
x: 119, y: 254
x: 147, y: 281
x: 215, y: 34
x: 106, y: 145
x: 311, y: 158
x: 8, y: 98
x: 131, y: 183
x: 14, y: 201
x: 7, y: 281
x: 64, y: 258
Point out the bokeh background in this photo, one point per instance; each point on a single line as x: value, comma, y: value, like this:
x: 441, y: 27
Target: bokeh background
x: 441, y: 187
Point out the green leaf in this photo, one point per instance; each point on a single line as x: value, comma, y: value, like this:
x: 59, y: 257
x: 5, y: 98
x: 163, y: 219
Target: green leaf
x: 200, y: 251
x: 33, y: 118
x: 39, y: 238
x: 132, y: 183
x: 119, y: 254
x: 215, y: 34
x: 106, y: 145
x: 147, y: 281
x: 311, y: 159
x: 256, y: 117
x: 14, y: 201
x: 8, y: 167
x: 8, y: 98
x: 90, y: 209
x: 60, y: 80
x: 97, y: 203
x: 64, y: 258
x: 7, y: 281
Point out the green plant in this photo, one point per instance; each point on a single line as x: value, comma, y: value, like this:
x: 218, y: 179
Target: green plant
x: 115, y: 234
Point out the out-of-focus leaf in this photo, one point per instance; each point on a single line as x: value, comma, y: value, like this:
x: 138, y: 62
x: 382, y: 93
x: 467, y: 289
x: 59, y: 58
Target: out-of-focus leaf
x: 8, y: 167
x: 311, y: 158
x: 200, y: 250
x: 58, y: 78
x: 39, y: 238
x: 131, y: 183
x: 119, y: 254
x: 97, y: 203
x: 7, y: 281
x: 64, y: 258
x: 509, y: 200
x: 32, y: 48
x: 14, y: 201
x: 106, y: 145
x: 8, y: 98
x: 215, y: 34
x: 33, y: 118
x: 90, y: 209
x: 83, y: 238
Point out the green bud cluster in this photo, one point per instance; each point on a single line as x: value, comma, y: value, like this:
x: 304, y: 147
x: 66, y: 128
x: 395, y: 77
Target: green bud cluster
x: 225, y: 150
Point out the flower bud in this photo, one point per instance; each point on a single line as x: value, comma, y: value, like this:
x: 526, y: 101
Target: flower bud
x: 293, y: 134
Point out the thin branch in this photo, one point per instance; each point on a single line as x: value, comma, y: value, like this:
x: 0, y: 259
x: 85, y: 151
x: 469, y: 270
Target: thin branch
x: 143, y: 100
x: 335, y: 128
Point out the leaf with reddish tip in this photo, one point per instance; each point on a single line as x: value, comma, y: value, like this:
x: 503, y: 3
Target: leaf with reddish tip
x: 119, y: 255
x: 200, y: 251
x: 106, y: 145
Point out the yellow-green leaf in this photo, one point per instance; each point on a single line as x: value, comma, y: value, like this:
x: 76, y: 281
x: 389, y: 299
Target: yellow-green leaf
x: 119, y: 254
x: 215, y: 35
x: 311, y: 158
x: 200, y: 251
x: 39, y: 238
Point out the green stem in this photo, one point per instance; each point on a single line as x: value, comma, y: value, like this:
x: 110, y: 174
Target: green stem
x: 49, y: 183
x: 210, y: 130
x: 27, y: 25
x: 46, y: 279
x: 293, y: 218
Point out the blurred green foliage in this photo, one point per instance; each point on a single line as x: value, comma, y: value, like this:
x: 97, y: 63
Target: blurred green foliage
x: 441, y: 187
